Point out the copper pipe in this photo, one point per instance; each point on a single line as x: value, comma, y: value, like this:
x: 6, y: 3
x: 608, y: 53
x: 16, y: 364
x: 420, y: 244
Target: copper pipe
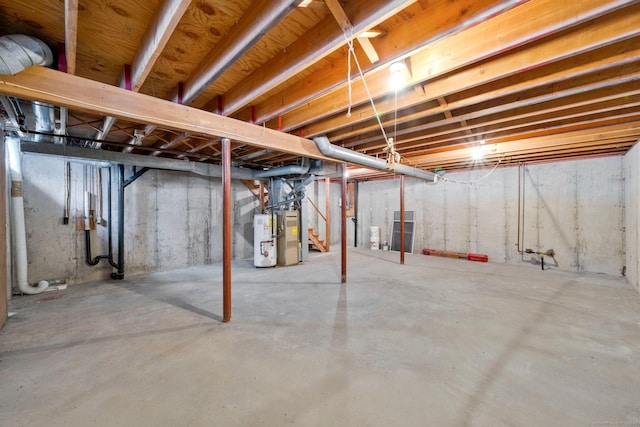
x: 401, y: 219
x: 344, y: 223
x: 226, y: 229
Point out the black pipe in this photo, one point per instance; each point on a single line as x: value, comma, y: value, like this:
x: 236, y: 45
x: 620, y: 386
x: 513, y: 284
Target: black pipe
x: 355, y: 211
x: 120, y: 265
x: 87, y: 250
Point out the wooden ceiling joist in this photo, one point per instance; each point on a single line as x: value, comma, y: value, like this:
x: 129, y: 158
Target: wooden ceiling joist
x: 478, y: 43
x: 71, y: 34
x: 254, y: 24
x: 325, y: 39
x: 343, y: 21
x: 165, y: 21
x: 474, y: 89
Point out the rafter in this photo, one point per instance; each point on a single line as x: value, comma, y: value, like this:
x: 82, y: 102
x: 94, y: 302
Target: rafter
x: 164, y: 23
x: 323, y: 39
x: 481, y: 42
x: 254, y: 24
x: 440, y: 18
x: 343, y: 21
x: 46, y: 85
x: 71, y: 33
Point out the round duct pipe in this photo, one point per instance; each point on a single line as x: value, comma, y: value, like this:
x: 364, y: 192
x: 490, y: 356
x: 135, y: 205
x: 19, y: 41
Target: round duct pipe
x: 19, y: 51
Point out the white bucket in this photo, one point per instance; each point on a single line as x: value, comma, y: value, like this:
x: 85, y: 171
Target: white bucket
x: 374, y: 241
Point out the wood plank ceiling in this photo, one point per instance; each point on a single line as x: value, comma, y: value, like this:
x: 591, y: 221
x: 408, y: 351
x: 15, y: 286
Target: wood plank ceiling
x: 518, y: 81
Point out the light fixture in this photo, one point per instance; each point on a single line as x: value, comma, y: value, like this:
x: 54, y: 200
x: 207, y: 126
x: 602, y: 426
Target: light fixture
x: 476, y: 153
x: 399, y: 74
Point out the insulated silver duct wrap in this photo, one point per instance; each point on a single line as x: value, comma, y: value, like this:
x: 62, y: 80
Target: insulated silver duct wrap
x: 19, y: 51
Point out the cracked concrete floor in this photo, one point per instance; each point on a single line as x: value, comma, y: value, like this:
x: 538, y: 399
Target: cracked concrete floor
x: 436, y: 342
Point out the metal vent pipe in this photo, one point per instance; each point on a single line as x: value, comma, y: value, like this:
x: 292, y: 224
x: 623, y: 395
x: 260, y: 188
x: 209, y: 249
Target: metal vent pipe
x: 19, y: 51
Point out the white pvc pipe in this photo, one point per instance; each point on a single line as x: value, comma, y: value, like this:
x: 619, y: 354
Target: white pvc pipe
x: 17, y: 220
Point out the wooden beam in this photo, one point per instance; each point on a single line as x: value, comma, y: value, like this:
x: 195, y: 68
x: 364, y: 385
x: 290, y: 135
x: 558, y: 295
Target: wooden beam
x: 343, y: 21
x: 436, y: 20
x: 583, y: 137
x: 554, y: 98
x: 322, y: 40
x: 71, y: 33
x: 523, y: 129
x: 480, y: 43
x: 155, y: 39
x: 257, y: 21
x: 453, y: 16
x: 478, y: 89
x: 164, y: 23
x: 73, y: 92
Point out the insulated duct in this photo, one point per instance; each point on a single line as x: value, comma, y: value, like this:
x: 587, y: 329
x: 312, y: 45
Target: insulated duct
x: 45, y: 117
x: 283, y: 171
x: 17, y: 217
x: 350, y: 156
x: 19, y: 51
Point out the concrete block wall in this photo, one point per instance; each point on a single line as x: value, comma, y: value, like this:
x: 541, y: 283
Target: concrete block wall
x: 172, y: 220
x: 575, y: 208
x: 631, y: 166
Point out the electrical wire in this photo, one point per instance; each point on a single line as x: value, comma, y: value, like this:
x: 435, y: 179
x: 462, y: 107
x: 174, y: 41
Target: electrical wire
x: 390, y: 143
x: 453, y: 181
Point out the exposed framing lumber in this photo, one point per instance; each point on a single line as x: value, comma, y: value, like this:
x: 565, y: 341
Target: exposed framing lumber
x: 261, y: 17
x: 324, y: 38
x: 551, y: 106
x: 155, y: 39
x: 164, y: 23
x: 554, y: 98
x: 439, y: 18
x: 343, y: 21
x: 38, y: 83
x: 470, y: 81
x: 71, y: 34
x: 614, y: 133
x: 482, y: 42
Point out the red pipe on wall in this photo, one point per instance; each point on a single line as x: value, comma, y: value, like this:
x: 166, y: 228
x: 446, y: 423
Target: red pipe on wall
x: 401, y: 219
x: 226, y: 229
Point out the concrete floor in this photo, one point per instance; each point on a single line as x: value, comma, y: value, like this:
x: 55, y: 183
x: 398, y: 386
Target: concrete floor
x: 437, y: 342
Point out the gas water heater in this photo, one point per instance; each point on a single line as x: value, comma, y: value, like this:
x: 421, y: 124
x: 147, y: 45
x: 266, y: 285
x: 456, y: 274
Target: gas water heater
x: 264, y: 241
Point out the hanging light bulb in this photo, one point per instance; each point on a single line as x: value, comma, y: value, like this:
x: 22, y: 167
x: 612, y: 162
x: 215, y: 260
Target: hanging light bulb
x: 398, y: 78
x: 476, y: 153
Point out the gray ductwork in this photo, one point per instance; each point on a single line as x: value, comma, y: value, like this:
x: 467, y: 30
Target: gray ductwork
x: 282, y: 171
x: 350, y: 156
x: 19, y: 51
x: 44, y: 115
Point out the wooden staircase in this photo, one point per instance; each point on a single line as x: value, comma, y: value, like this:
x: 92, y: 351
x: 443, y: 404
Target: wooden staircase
x: 255, y: 189
x: 315, y: 241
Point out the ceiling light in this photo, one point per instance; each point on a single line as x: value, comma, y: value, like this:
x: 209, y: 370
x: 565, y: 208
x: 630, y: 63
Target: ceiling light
x: 399, y: 74
x: 476, y: 153
x: 305, y: 3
